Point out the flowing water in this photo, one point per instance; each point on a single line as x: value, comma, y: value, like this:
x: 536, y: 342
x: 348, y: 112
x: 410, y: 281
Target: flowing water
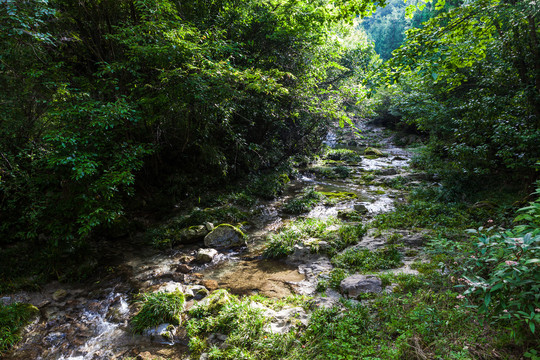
x: 92, y: 323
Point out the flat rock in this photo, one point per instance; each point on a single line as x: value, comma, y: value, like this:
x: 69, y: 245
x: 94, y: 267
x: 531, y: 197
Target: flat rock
x: 286, y: 319
x: 359, y: 284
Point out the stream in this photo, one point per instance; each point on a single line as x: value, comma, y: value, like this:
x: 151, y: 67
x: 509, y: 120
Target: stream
x: 92, y: 322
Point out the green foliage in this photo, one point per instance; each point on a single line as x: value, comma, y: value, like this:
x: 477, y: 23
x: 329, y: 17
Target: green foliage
x: 242, y: 322
x: 13, y: 318
x: 158, y: 308
x: 504, y: 272
x: 304, y: 202
x: 467, y: 79
x: 343, y: 155
x: 336, y: 235
x: 102, y: 98
x: 333, y: 334
x: 355, y: 260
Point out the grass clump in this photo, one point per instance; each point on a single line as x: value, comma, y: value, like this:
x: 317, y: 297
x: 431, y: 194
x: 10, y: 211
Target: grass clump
x: 13, y: 318
x: 282, y: 243
x: 243, y: 322
x: 332, y: 231
x: 365, y: 260
x: 343, y: 155
x: 304, y: 202
x: 158, y: 308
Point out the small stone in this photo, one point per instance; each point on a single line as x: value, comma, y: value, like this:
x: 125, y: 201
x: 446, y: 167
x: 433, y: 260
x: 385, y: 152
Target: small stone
x: 361, y: 208
x: 184, y: 269
x: 210, y: 284
x: 6, y: 300
x: 59, y: 295
x: 206, y: 255
x: 197, y: 292
x: 186, y: 259
x: 209, y: 226
x: 358, y: 284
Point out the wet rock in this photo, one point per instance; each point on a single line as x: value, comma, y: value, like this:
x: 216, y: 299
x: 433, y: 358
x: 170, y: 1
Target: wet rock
x: 358, y: 284
x: 286, y: 319
x: 193, y: 234
x: 171, y: 287
x: 163, y: 333
x: 210, y: 284
x: 6, y: 300
x: 302, y: 254
x: 186, y: 259
x: 55, y: 338
x: 323, y: 303
x: 414, y: 240
x: 215, y: 301
x: 206, y: 255
x: 59, y: 295
x: 197, y: 292
x: 225, y: 236
x: 361, y: 208
x: 217, y: 339
x: 145, y: 356
x: 373, y: 151
x: 209, y: 226
x: 387, y: 171
x: 184, y: 269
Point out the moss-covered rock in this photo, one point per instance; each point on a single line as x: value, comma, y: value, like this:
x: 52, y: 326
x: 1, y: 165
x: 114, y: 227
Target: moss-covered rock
x: 225, y: 236
x: 374, y: 152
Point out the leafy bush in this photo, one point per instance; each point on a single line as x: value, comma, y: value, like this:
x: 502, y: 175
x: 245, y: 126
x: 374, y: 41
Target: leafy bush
x: 505, y: 271
x: 13, y: 318
x: 158, y: 308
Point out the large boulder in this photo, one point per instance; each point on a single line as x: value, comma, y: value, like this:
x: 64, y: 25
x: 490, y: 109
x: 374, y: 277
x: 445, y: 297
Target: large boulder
x: 225, y: 236
x: 355, y: 285
x: 374, y: 152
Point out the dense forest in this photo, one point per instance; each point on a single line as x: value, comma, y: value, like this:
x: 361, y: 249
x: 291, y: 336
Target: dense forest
x: 117, y: 111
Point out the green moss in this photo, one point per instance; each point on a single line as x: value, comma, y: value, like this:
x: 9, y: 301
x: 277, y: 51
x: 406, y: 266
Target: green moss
x: 234, y: 228
x: 343, y: 155
x: 340, y: 195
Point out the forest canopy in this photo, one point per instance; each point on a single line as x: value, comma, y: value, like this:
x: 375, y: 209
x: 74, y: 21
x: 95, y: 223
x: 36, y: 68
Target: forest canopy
x: 101, y: 99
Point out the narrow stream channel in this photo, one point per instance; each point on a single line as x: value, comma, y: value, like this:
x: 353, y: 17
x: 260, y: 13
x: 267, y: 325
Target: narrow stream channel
x: 92, y: 324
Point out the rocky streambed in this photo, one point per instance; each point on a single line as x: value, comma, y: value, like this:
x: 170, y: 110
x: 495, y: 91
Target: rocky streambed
x: 93, y: 322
